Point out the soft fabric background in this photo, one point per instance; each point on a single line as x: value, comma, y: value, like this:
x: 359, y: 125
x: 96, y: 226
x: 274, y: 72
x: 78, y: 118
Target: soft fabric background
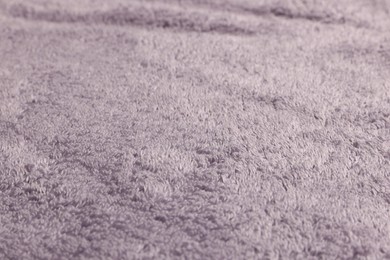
x: 194, y: 129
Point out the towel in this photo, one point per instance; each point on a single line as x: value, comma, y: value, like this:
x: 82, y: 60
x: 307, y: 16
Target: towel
x: 194, y: 129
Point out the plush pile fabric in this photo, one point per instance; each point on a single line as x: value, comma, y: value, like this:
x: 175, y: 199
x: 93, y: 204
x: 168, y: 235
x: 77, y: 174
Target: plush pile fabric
x: 194, y: 129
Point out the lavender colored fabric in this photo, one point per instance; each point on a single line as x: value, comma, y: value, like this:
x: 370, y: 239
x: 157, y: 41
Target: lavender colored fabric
x: 194, y: 129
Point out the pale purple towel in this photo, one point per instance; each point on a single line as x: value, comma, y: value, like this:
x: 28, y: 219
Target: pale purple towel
x: 194, y: 129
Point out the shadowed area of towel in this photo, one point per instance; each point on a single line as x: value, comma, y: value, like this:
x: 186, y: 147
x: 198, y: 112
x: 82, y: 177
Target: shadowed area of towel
x: 194, y: 129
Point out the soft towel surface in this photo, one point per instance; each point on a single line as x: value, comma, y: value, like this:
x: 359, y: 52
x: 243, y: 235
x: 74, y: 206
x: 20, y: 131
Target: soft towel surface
x: 194, y: 129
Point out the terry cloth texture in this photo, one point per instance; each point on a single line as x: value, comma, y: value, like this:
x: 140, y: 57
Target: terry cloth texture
x: 195, y: 129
